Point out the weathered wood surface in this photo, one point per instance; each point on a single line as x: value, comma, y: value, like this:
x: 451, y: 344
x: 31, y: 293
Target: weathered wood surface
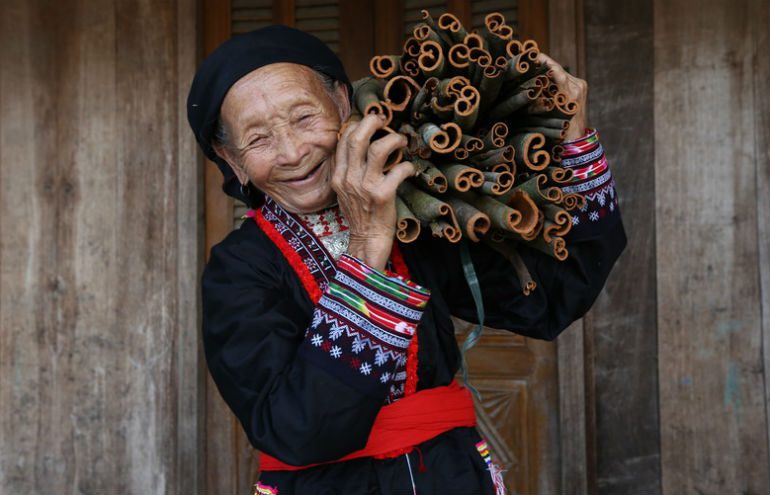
x: 230, y: 463
x: 228, y: 467
x: 217, y: 26
x: 619, y: 72
x: 712, y: 395
x: 761, y: 18
x: 567, y: 46
x: 99, y: 253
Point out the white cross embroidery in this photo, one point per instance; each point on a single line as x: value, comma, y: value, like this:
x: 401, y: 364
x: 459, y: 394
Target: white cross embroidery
x: 366, y: 368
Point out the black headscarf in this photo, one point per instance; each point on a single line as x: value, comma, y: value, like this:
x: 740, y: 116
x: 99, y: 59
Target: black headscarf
x: 236, y: 58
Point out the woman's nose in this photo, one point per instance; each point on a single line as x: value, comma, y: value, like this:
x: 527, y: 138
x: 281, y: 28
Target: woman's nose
x: 290, y: 147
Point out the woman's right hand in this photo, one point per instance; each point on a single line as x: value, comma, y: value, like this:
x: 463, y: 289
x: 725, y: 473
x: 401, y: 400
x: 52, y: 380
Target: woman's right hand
x: 367, y: 195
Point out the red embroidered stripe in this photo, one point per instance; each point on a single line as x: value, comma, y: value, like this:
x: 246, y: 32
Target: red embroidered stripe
x: 307, y: 279
x: 582, y: 145
x: 592, y: 170
x: 313, y: 289
x: 399, y: 265
x: 413, y: 295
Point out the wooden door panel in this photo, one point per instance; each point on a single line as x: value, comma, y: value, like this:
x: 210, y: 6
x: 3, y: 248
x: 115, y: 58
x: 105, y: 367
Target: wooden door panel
x: 516, y: 378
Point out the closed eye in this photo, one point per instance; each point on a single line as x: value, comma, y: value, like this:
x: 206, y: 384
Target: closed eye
x: 257, y: 141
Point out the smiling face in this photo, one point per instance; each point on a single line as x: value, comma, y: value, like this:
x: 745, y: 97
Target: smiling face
x: 282, y: 126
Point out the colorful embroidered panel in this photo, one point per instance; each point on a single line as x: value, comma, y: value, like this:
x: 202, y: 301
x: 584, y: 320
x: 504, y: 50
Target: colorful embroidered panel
x: 593, y: 180
x: 364, y: 323
x: 302, y: 240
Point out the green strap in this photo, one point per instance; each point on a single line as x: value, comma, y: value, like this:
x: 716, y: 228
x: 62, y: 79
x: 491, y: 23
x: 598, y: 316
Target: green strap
x: 475, y: 334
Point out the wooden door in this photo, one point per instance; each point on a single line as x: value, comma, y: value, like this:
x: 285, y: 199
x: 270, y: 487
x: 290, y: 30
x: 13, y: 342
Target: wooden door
x: 517, y: 377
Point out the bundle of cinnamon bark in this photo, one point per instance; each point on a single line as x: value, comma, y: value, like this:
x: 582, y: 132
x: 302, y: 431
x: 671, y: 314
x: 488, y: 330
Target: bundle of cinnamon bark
x: 484, y: 122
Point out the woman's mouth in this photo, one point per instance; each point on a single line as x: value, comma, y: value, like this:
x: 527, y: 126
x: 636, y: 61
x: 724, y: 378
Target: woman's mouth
x: 312, y: 174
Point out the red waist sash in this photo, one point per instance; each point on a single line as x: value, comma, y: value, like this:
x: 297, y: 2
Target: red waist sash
x: 404, y: 424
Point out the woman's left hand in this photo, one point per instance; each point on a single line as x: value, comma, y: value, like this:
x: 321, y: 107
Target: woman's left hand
x: 575, y: 88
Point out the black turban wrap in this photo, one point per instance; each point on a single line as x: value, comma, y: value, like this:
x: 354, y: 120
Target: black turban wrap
x: 236, y: 58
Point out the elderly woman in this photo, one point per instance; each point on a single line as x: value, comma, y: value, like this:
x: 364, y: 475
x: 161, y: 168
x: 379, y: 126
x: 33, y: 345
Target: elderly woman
x: 312, y: 315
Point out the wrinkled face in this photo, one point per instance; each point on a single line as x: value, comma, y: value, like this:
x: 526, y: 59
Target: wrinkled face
x: 282, y: 125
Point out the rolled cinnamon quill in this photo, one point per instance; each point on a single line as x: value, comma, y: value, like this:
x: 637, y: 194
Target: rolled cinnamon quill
x: 428, y: 208
x: 560, y: 175
x: 473, y: 222
x: 572, y: 201
x: 442, y: 139
x: 431, y: 59
x: 500, y: 215
x: 556, y: 247
x: 452, y: 26
x: 497, y: 182
x: 536, y: 191
x: 407, y: 225
x: 558, y: 221
x: 384, y: 66
x: 399, y: 91
x: 461, y: 177
x: 444, y: 229
x: 529, y: 151
x: 508, y: 250
x: 431, y: 177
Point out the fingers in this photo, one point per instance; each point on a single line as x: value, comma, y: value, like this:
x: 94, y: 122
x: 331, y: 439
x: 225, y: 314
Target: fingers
x: 357, y: 143
x: 341, y: 153
x: 555, y: 70
x: 379, y: 151
x: 572, y: 86
x: 358, y: 173
x: 398, y: 174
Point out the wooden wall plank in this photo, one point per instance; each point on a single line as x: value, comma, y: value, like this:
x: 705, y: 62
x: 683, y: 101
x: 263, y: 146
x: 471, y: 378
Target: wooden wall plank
x: 622, y: 324
x: 388, y: 24
x: 543, y: 475
x: 761, y: 18
x: 97, y: 381
x: 27, y: 342
x: 219, y: 206
x: 711, y: 371
x: 283, y: 12
x: 533, y: 21
x: 565, y: 26
x: 461, y: 9
x: 356, y: 36
x: 148, y: 165
x: 190, y: 367
x: 222, y: 455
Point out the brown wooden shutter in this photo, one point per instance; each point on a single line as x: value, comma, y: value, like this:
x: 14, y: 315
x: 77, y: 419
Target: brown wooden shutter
x: 480, y: 9
x: 248, y: 15
x: 320, y: 18
x: 412, y: 10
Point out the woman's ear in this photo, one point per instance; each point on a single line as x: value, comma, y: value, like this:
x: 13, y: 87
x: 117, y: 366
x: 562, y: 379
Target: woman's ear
x: 342, y: 99
x: 227, y: 155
